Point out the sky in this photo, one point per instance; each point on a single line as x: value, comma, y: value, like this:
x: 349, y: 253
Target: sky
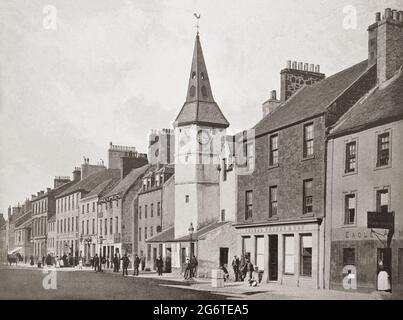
x: 85, y: 73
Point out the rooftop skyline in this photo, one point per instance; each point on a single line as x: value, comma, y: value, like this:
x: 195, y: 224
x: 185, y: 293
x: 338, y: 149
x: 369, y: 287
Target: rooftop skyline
x: 114, y: 69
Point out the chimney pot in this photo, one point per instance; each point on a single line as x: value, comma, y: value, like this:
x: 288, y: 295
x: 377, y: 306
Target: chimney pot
x: 378, y: 16
x: 401, y: 16
x: 288, y: 64
x: 395, y: 15
x: 312, y: 67
x: 300, y: 65
x: 388, y: 13
x: 306, y: 66
x: 294, y: 64
x: 317, y: 68
x: 273, y: 95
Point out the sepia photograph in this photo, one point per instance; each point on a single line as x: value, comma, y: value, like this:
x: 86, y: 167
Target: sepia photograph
x: 226, y: 150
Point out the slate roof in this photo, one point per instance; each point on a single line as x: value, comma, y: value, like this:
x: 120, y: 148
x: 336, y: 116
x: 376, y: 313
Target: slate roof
x: 381, y: 105
x: 200, y: 107
x: 167, y: 235
x: 92, y: 181
x: 103, y: 188
x: 310, y: 100
x: 124, y: 185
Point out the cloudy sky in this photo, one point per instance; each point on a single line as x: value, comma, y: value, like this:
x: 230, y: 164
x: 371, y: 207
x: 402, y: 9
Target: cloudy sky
x: 113, y: 69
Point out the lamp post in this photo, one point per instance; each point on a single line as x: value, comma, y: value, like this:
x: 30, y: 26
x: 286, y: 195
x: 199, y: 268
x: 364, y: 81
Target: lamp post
x: 191, y: 230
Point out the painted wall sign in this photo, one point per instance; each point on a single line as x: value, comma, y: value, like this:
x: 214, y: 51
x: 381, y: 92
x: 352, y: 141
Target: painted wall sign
x: 381, y: 220
x: 283, y: 228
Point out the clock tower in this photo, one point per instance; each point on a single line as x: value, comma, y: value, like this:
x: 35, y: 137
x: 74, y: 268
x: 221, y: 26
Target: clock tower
x: 200, y: 130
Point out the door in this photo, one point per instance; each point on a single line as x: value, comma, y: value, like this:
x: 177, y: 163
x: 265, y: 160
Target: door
x: 183, y: 257
x: 273, y: 257
x: 400, y: 268
x: 168, y: 254
x: 224, y: 257
x: 154, y: 257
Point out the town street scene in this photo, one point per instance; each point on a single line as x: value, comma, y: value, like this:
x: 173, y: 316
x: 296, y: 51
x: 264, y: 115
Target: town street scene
x: 257, y: 150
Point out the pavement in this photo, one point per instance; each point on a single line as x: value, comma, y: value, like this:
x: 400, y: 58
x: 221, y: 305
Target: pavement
x: 238, y: 290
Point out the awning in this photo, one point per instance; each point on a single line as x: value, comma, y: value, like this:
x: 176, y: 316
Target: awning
x: 15, y: 250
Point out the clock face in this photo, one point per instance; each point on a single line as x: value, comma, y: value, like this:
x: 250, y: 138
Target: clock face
x: 204, y: 137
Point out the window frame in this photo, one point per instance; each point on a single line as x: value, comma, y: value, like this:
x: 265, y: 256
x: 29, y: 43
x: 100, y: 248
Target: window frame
x: 305, y: 196
x: 378, y: 134
x: 273, y: 151
x: 345, y: 208
x: 248, y: 214
x: 306, y: 140
x: 301, y: 255
x: 285, y: 254
x: 271, y: 201
x: 346, y: 170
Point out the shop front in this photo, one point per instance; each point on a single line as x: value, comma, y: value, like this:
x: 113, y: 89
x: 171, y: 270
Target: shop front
x: 359, y: 254
x: 288, y: 253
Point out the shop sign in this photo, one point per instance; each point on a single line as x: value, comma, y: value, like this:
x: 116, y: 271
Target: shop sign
x: 381, y: 220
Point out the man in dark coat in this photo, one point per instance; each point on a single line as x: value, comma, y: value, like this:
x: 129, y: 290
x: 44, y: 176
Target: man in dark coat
x: 96, y: 262
x: 242, y: 268
x: 48, y: 260
x: 115, y: 263
x: 193, y: 264
x: 235, y: 267
x: 125, y: 264
x: 249, y: 269
x: 159, y: 263
x: 136, y: 265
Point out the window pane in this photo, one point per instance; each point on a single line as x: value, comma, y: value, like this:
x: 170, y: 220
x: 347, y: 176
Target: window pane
x: 306, y: 255
x: 260, y: 253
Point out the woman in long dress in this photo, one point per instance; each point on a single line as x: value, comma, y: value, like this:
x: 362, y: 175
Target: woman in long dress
x: 383, y: 280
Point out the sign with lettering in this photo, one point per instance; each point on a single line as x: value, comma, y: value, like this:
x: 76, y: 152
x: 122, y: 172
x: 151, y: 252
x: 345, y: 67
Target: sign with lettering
x: 281, y: 228
x: 381, y: 220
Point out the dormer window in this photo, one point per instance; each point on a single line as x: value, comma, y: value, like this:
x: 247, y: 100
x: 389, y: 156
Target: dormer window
x: 204, y: 91
x: 202, y: 76
x: 193, y: 75
x: 192, y: 91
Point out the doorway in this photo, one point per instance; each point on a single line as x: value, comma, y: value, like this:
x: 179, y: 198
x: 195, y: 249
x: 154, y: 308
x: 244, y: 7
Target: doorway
x: 224, y: 257
x: 273, y: 257
x: 183, y: 258
x: 384, y: 258
x: 400, y: 268
x: 168, y: 254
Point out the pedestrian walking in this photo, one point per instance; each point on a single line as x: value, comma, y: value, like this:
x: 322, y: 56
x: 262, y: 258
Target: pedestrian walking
x: 125, y: 264
x: 235, y: 267
x: 188, y: 269
x: 136, y: 265
x: 159, y: 264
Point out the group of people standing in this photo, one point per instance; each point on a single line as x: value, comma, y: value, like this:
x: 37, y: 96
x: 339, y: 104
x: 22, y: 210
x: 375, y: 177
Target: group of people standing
x: 190, y: 267
x: 243, y: 268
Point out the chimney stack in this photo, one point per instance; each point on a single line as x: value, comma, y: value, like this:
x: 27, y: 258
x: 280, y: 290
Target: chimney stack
x: 77, y: 174
x: 270, y: 105
x: 299, y: 75
x: 385, y: 43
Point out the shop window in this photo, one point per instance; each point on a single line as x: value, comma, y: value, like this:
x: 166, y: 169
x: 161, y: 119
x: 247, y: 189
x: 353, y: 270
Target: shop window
x: 246, y: 247
x: 260, y: 253
x: 289, y: 253
x: 306, y: 255
x: 348, y: 256
x: 350, y: 209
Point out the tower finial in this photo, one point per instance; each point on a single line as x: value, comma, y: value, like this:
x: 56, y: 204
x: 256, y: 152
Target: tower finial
x: 197, y: 16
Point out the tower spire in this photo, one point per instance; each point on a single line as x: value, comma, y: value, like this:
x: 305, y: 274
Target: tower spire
x: 200, y: 107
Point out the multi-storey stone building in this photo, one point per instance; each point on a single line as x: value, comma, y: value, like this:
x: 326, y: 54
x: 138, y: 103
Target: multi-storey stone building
x: 281, y: 202
x: 23, y: 229
x: 43, y: 207
x: 364, y: 172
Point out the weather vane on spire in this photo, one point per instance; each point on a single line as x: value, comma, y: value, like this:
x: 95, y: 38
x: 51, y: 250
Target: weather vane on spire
x: 197, y: 16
